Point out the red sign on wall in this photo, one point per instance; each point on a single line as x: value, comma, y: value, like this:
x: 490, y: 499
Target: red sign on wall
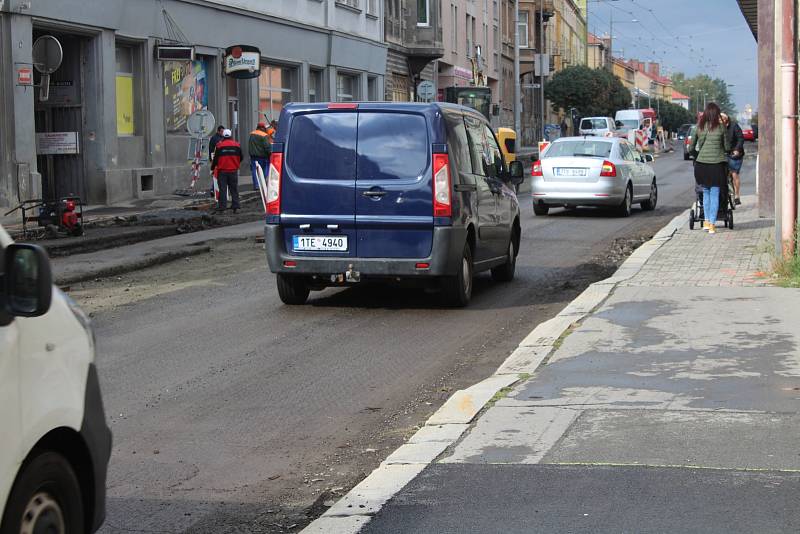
x: 24, y: 76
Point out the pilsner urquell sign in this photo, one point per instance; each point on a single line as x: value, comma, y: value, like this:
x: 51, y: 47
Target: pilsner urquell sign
x: 242, y: 61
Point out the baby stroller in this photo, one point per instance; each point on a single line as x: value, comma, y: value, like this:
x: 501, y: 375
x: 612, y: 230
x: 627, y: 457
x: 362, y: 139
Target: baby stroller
x: 726, y: 206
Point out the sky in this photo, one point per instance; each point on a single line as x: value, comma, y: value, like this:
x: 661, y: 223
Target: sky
x: 690, y: 36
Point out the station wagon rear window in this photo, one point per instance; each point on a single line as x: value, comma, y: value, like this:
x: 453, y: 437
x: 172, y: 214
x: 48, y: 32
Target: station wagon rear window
x: 322, y: 146
x: 591, y: 124
x: 579, y: 148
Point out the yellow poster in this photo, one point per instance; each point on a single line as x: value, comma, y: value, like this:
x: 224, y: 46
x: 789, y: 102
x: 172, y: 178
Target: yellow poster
x: 125, y: 125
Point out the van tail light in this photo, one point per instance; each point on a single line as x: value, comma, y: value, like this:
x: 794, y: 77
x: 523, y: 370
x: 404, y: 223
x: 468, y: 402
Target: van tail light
x: 536, y: 169
x: 442, y: 198
x: 274, y: 184
x: 609, y: 169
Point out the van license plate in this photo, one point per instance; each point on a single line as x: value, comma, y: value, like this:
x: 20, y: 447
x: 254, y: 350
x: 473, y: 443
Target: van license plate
x: 320, y: 242
x: 561, y: 171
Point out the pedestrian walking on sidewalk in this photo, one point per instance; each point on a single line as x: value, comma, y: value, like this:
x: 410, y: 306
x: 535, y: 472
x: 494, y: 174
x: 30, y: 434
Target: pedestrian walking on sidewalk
x: 736, y: 155
x: 711, y: 144
x: 227, y: 160
x: 258, y: 148
x: 212, y: 144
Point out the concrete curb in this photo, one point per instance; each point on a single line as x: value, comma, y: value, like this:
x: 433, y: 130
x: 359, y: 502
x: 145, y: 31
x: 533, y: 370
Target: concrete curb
x: 156, y: 258
x: 448, y: 423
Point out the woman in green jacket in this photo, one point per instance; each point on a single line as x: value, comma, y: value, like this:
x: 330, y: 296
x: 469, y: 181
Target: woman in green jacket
x: 710, y: 172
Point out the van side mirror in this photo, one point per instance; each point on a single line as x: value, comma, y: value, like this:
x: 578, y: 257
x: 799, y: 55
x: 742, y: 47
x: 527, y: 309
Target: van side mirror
x: 618, y: 124
x: 516, y: 172
x: 648, y: 158
x: 27, y: 281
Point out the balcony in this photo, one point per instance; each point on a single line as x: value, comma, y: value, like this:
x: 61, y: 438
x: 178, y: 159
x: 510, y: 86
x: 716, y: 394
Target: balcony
x: 421, y: 44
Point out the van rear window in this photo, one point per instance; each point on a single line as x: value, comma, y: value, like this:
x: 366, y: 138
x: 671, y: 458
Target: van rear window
x: 392, y: 146
x: 322, y: 146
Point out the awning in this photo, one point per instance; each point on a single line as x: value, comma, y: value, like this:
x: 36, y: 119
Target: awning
x: 749, y: 9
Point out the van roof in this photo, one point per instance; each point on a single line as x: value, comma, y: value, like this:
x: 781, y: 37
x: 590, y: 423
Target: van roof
x: 418, y: 107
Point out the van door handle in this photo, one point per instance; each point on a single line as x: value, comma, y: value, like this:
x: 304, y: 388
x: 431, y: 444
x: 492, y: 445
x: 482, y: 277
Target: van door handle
x: 373, y: 193
x: 460, y: 188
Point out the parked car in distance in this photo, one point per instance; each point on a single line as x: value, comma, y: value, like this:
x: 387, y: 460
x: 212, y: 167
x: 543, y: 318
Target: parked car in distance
x: 687, y: 141
x: 599, y: 126
x: 579, y: 171
x: 683, y: 130
x: 56, y: 443
x: 390, y: 192
x: 748, y: 133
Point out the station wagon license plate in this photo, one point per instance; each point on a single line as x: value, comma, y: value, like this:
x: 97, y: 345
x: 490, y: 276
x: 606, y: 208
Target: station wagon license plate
x: 561, y: 171
x: 319, y: 243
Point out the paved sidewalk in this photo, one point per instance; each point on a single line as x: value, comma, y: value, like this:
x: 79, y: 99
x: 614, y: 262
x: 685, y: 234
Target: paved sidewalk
x: 664, y: 399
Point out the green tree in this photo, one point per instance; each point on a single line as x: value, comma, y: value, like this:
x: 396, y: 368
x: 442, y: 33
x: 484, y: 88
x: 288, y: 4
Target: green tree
x: 714, y: 89
x: 593, y: 92
x: 672, y: 116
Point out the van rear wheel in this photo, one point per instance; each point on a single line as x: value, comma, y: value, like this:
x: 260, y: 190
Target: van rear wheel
x: 457, y: 289
x: 292, y: 290
x: 46, y: 497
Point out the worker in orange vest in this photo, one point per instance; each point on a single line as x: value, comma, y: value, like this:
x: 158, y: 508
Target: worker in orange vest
x: 259, y: 149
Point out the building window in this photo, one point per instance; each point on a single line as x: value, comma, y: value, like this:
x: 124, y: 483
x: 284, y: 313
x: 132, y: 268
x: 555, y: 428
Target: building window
x: 350, y: 3
x: 372, y: 7
x: 125, y: 88
x: 346, y: 87
x: 315, y: 90
x: 423, y: 13
x: 523, y: 29
x: 277, y: 86
x: 469, y: 36
x: 372, y: 89
x: 186, y: 87
x: 454, y: 33
x: 485, y: 50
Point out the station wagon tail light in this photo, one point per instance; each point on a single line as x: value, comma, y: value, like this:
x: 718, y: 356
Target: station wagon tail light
x: 274, y: 184
x: 536, y: 169
x: 442, y: 199
x: 609, y: 169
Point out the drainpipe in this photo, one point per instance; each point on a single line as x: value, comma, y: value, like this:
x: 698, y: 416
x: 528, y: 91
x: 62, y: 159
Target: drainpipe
x: 788, y: 126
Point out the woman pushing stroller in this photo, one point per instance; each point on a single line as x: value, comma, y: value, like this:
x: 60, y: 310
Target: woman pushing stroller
x: 711, y: 145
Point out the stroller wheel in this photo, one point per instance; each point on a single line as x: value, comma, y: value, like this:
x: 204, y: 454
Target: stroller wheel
x: 691, y: 219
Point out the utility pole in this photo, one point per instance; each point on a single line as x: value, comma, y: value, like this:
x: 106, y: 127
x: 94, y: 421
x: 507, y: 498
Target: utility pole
x: 541, y: 66
x: 517, y: 88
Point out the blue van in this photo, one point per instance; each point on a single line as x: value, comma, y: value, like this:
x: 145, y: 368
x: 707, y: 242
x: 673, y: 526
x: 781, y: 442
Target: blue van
x: 388, y: 191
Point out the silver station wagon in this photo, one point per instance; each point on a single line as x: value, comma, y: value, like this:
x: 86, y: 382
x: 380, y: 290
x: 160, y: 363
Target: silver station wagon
x: 587, y: 171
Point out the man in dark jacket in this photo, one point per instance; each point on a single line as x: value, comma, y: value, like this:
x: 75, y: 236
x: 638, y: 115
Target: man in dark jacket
x: 227, y: 160
x: 736, y: 155
x: 216, y: 138
x: 258, y: 147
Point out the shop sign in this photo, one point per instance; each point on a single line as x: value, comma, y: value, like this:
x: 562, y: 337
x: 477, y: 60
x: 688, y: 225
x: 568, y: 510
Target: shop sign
x: 242, y: 61
x: 461, y: 72
x: 57, y: 143
x: 24, y: 75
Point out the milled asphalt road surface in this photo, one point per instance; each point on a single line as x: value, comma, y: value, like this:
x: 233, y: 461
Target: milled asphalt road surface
x: 232, y: 412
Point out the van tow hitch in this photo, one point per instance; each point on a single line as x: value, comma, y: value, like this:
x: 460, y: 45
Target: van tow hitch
x: 352, y: 275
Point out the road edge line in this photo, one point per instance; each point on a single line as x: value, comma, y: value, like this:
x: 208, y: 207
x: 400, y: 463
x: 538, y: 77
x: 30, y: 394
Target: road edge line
x: 447, y: 424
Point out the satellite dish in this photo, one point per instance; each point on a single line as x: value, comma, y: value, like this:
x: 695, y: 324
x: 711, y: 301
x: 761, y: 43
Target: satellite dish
x: 47, y: 54
x: 47, y: 57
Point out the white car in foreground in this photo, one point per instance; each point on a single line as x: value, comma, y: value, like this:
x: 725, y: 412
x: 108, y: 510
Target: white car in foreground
x: 56, y: 444
x: 591, y: 171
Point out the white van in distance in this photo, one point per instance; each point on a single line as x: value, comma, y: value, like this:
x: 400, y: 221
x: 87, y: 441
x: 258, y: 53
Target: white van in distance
x: 55, y: 442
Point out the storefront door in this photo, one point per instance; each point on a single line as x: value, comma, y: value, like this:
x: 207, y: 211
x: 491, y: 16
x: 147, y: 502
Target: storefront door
x: 59, y: 124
